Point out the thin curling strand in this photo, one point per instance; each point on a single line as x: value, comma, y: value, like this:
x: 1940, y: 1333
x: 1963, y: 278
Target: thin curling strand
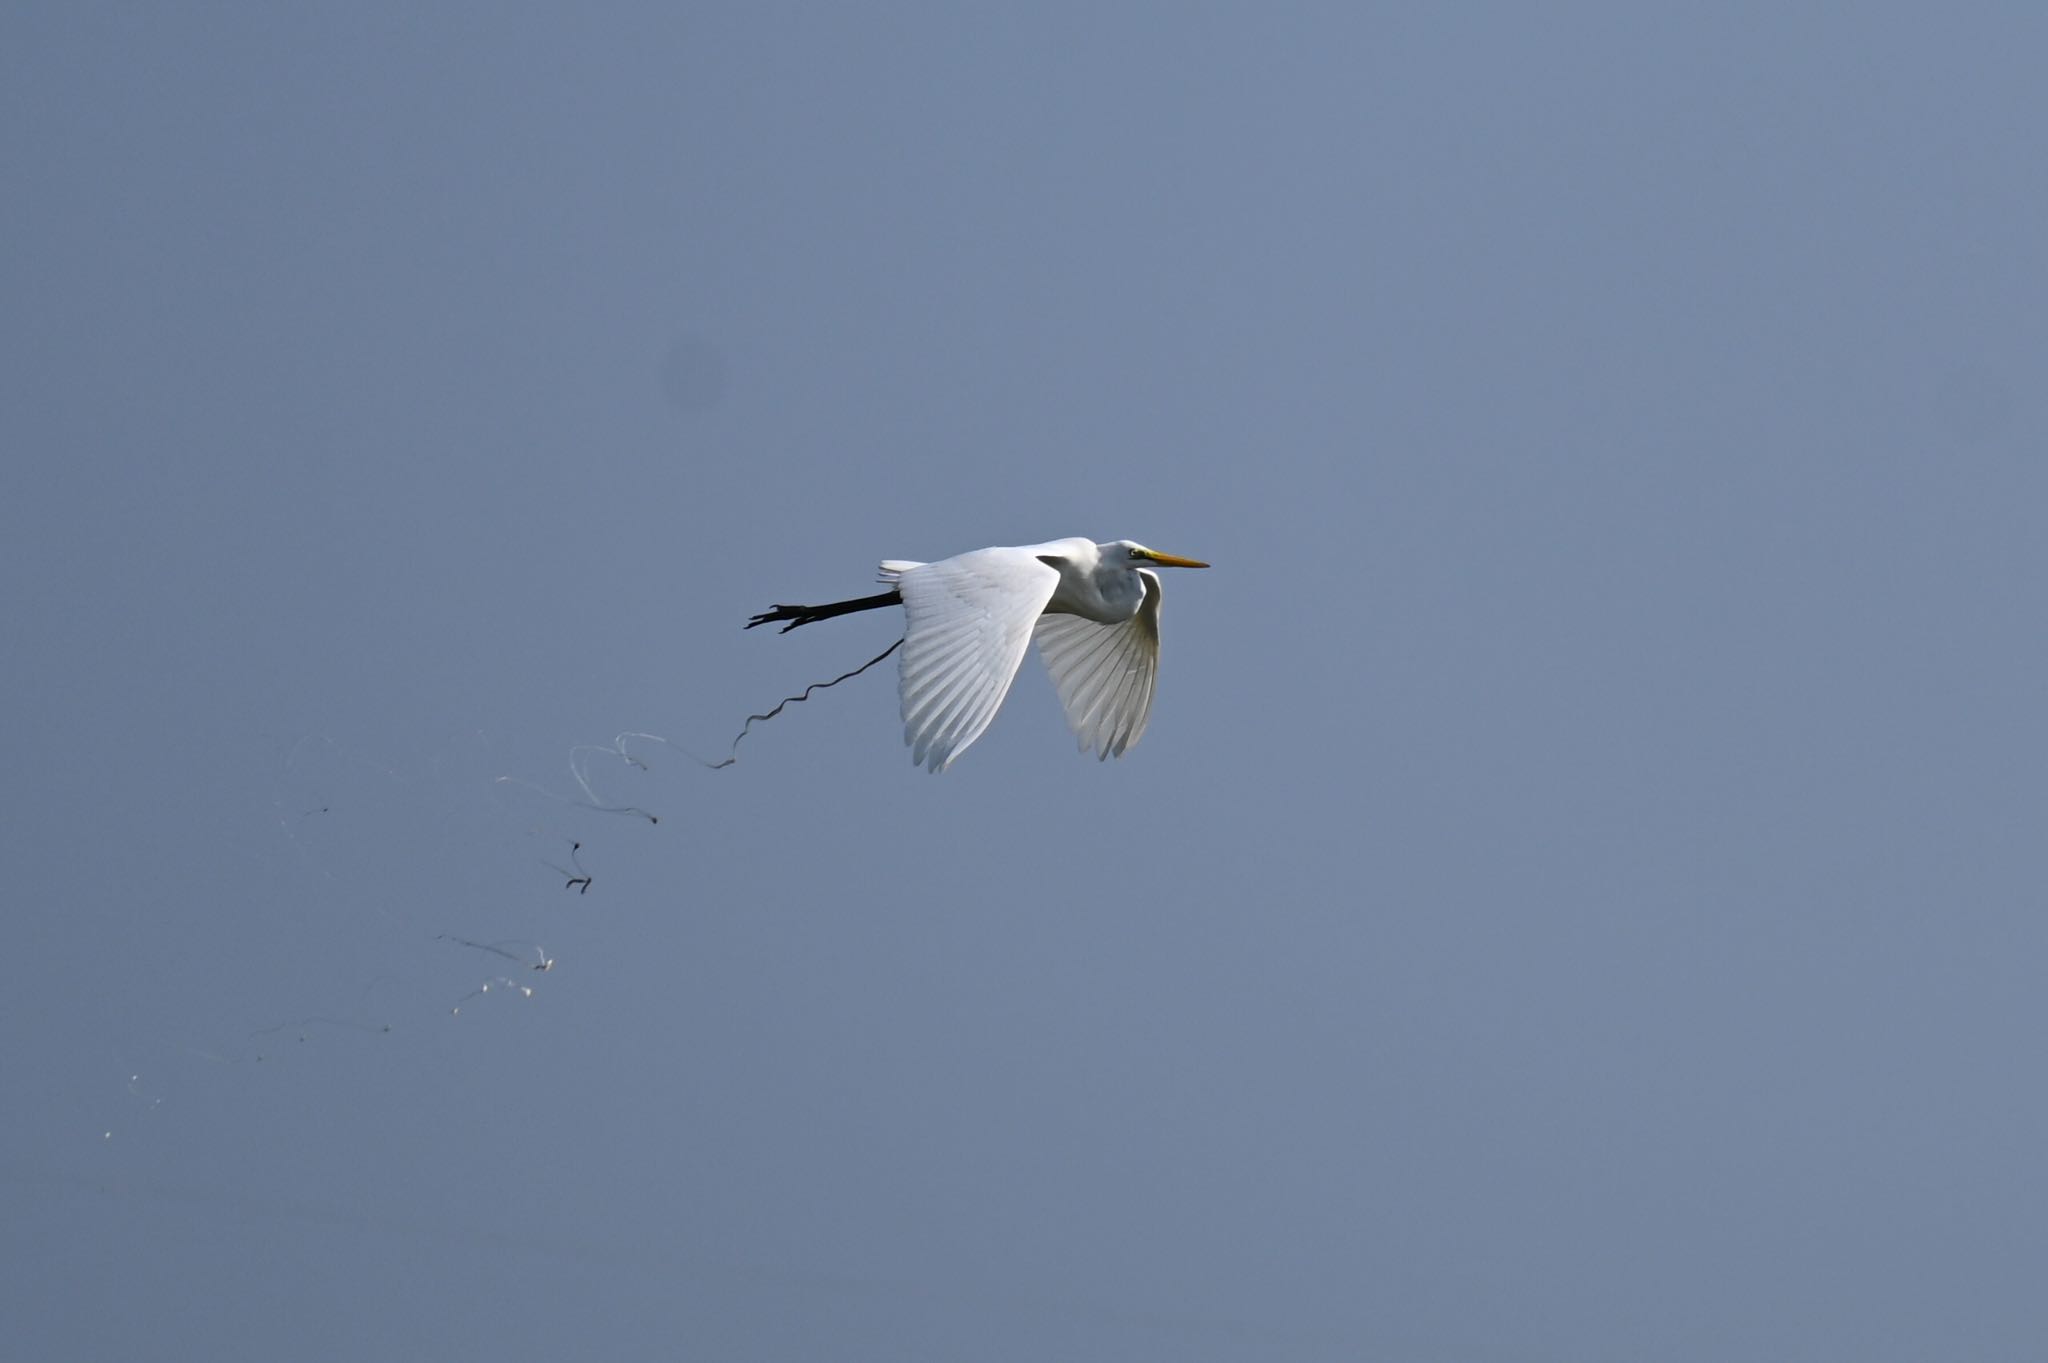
x: 734, y: 755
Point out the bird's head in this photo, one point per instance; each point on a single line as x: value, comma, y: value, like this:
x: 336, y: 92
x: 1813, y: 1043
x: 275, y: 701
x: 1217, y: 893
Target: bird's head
x: 1127, y: 554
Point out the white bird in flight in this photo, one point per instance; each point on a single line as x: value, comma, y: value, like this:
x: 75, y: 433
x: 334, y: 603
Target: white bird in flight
x: 1094, y: 609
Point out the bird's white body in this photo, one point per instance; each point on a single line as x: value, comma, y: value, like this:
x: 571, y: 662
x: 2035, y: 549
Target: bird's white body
x: 1093, y: 609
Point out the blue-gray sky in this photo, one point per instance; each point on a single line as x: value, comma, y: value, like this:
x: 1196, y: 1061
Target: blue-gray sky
x: 1580, y: 896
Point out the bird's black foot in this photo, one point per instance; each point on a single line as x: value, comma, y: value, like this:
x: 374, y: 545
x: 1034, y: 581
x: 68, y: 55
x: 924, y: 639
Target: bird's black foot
x: 795, y: 615
x: 804, y: 615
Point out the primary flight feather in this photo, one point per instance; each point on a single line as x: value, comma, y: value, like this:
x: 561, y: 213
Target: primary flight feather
x: 1093, y: 609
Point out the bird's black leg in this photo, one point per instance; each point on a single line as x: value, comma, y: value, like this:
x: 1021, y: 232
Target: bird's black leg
x: 804, y: 615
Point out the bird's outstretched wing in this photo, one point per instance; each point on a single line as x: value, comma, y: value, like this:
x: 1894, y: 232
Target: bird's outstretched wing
x: 967, y: 621
x: 1105, y: 673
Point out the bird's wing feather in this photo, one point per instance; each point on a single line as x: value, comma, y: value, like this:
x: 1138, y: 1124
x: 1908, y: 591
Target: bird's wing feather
x: 967, y: 622
x: 1105, y: 674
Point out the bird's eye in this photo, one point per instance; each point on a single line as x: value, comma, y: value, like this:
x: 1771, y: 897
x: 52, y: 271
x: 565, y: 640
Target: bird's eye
x: 1137, y: 553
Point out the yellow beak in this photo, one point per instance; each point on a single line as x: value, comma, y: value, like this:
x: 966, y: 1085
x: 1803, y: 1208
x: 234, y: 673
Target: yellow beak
x: 1173, y: 560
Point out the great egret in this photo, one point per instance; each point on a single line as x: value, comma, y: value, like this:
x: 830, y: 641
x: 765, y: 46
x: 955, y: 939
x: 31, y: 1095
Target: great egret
x: 1094, y: 609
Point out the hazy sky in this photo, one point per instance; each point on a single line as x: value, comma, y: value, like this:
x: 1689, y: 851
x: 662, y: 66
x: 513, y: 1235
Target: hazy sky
x: 1580, y: 896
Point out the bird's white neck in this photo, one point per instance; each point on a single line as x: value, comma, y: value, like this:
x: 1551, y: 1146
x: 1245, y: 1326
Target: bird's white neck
x: 1107, y: 594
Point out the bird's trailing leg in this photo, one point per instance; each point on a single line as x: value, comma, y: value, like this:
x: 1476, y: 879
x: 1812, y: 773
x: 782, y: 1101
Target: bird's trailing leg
x: 804, y: 615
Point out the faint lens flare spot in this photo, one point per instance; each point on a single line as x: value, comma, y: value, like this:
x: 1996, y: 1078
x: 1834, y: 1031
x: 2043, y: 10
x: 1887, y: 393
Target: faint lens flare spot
x: 693, y: 374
